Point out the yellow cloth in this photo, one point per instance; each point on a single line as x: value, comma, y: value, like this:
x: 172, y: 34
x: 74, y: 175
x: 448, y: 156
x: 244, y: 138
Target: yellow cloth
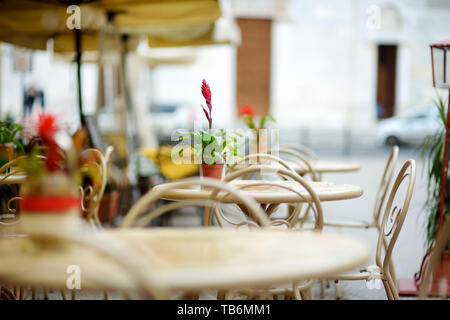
x: 162, y: 158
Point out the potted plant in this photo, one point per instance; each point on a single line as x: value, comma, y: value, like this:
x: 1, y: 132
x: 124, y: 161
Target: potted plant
x: 50, y: 198
x: 432, y: 153
x: 213, y: 146
x: 9, y: 141
x: 259, y: 133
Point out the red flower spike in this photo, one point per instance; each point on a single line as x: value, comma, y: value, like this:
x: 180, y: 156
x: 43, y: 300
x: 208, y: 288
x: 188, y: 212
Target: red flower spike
x: 247, y: 109
x: 206, y: 113
x: 206, y: 92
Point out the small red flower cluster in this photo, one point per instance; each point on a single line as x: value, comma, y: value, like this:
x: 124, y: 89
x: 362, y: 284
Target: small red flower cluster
x: 247, y: 110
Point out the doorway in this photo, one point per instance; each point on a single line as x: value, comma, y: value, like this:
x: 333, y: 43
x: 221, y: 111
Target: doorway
x: 386, y: 77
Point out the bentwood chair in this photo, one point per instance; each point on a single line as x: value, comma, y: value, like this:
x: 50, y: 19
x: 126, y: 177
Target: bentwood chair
x: 442, y: 242
x: 308, y: 201
x: 386, y: 179
x: 390, y: 227
x: 94, y: 165
x: 306, y: 204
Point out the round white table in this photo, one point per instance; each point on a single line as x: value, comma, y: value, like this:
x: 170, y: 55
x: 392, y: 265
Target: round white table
x: 185, y: 259
x: 326, y: 191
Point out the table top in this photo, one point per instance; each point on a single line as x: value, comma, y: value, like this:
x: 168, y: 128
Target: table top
x: 189, y: 259
x: 326, y: 191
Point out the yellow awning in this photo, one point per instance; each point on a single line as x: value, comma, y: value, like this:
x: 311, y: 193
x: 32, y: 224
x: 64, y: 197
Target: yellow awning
x: 31, y: 23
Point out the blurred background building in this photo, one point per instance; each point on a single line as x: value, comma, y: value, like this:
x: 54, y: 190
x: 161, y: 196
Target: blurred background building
x: 327, y: 70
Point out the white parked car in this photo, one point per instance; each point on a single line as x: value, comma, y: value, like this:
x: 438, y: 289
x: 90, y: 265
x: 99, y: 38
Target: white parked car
x: 410, y: 128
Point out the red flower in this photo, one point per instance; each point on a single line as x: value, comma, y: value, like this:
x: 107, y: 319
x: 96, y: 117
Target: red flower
x: 47, y: 128
x: 206, y: 92
x: 247, y: 109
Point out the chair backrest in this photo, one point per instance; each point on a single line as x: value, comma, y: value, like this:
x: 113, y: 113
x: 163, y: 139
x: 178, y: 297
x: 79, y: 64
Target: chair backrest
x: 257, y: 159
x: 395, y: 214
x: 308, y: 199
x: 219, y: 191
x: 302, y: 150
x: 285, y: 154
x: 385, y: 182
x: 441, y: 244
x: 95, y: 165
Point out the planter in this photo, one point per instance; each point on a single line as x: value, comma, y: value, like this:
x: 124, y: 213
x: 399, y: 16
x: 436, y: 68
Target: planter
x: 50, y: 205
x: 214, y: 171
x: 49, y: 215
x: 442, y: 272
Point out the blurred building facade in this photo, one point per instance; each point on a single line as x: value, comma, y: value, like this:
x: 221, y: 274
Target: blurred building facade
x: 318, y: 66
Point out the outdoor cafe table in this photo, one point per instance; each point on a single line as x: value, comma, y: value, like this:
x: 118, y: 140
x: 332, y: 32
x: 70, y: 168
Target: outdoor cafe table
x: 271, y: 196
x: 189, y: 259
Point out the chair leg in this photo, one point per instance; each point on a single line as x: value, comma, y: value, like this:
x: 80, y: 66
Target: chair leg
x: 221, y: 295
x: 388, y: 290
x: 105, y: 295
x: 45, y: 294
x: 33, y: 293
x: 322, y: 289
x: 74, y: 295
x: 337, y: 289
x: 23, y: 293
x: 63, y: 295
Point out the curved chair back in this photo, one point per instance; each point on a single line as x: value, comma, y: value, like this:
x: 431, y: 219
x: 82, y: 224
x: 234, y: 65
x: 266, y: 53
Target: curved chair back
x: 285, y: 153
x: 385, y: 182
x: 393, y: 218
x: 302, y: 150
x: 308, y: 199
x: 95, y: 165
x: 219, y: 191
x: 258, y: 159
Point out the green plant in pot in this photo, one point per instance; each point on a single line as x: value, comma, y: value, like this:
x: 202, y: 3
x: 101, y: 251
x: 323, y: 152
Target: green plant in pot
x: 248, y: 114
x: 10, y: 143
x: 213, y: 146
x: 432, y: 154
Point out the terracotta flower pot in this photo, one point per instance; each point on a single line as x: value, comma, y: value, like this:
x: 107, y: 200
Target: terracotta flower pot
x: 212, y: 170
x: 442, y: 271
